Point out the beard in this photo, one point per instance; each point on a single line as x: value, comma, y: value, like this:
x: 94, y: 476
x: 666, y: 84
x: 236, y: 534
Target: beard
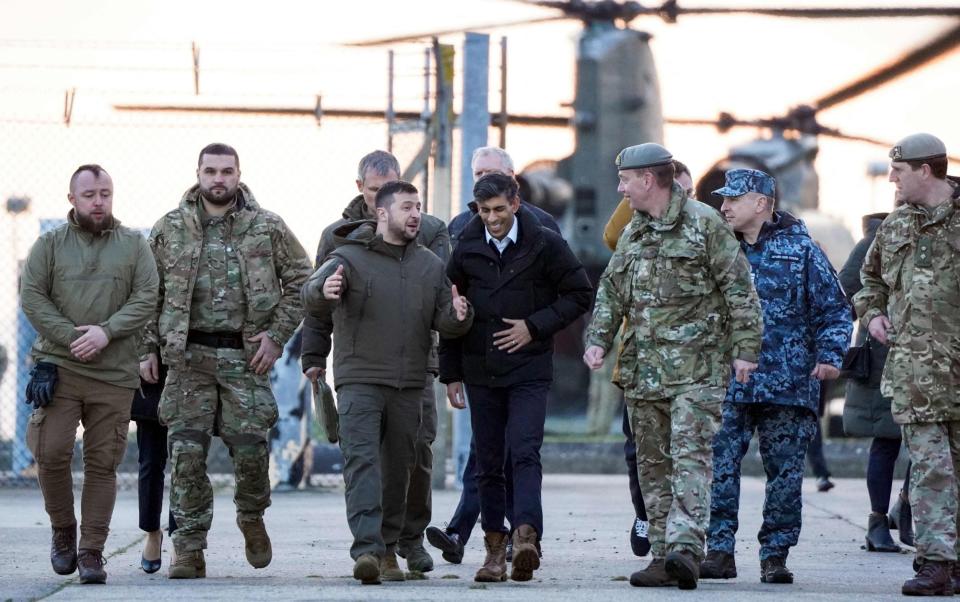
x: 219, y: 197
x: 90, y: 224
x: 399, y: 230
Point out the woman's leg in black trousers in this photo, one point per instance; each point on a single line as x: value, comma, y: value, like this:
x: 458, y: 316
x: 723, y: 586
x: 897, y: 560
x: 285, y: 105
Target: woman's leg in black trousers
x: 880, y: 464
x: 152, y: 446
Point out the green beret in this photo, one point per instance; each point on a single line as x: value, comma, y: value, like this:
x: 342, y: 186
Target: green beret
x: 649, y: 154
x: 918, y: 147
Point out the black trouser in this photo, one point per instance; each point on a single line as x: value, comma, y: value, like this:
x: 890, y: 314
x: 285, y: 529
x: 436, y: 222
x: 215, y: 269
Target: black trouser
x: 468, y: 509
x: 152, y: 455
x: 815, y: 455
x: 509, y: 416
x: 630, y: 455
x: 880, y: 465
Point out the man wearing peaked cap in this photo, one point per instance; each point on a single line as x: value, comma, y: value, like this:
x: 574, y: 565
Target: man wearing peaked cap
x: 679, y: 278
x: 806, y: 328
x: 911, y: 288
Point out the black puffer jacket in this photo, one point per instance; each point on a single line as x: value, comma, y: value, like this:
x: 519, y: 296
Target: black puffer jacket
x: 539, y: 281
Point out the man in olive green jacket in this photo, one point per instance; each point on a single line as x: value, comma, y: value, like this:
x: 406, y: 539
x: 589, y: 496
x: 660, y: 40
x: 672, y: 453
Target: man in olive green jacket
x: 386, y: 293
x: 374, y: 171
x: 88, y: 287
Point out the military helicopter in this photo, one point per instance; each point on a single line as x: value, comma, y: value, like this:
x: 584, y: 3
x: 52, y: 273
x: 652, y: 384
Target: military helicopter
x: 617, y: 103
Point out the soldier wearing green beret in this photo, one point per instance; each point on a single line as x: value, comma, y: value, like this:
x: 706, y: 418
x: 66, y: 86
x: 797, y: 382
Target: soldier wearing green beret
x: 909, y: 300
x: 681, y: 282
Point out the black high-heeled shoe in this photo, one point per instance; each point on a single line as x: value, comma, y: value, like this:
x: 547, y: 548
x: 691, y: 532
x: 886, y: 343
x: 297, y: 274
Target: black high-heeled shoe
x: 151, y: 566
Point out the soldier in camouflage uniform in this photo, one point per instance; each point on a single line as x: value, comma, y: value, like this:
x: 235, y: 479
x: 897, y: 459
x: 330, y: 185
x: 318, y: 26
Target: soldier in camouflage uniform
x: 910, y: 295
x: 230, y: 278
x: 806, y: 331
x: 679, y: 278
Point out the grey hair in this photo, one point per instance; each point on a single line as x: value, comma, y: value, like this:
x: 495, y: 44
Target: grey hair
x: 381, y: 162
x: 501, y: 154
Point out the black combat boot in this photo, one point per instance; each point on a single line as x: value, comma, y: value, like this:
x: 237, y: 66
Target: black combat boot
x: 774, y: 570
x: 933, y: 578
x: 718, y: 565
x: 448, y: 543
x: 878, y: 534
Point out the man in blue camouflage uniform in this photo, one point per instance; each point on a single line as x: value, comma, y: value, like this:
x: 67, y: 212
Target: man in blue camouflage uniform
x: 806, y: 331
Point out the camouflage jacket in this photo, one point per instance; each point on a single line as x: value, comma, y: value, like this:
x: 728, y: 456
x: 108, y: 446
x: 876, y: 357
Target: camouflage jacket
x: 806, y: 318
x: 273, y: 267
x: 683, y: 285
x: 911, y: 274
x: 316, y: 334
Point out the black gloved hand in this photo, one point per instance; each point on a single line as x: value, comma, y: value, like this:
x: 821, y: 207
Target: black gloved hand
x: 43, y: 382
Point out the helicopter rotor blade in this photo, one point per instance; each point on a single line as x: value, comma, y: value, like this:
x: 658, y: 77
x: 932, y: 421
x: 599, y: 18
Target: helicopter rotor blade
x: 429, y: 34
x: 670, y: 10
x: 914, y: 59
x: 834, y: 133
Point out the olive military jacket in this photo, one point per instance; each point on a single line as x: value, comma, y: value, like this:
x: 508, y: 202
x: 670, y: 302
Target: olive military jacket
x: 316, y: 334
x: 684, y: 286
x: 73, y: 277
x: 390, y: 303
x: 911, y: 274
x: 273, y: 267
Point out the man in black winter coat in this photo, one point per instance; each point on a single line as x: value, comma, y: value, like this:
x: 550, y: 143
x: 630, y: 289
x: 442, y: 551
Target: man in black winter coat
x: 525, y: 285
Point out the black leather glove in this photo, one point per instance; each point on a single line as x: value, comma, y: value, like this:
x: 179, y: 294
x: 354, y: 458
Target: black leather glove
x: 43, y: 382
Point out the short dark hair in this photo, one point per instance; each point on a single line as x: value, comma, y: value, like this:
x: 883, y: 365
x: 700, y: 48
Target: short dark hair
x: 680, y: 169
x: 938, y: 166
x: 493, y: 185
x: 386, y: 193
x: 381, y: 162
x: 218, y: 148
x: 663, y: 174
x: 93, y: 168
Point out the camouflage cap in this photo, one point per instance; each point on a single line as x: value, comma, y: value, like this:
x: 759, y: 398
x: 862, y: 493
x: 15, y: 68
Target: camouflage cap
x: 649, y: 154
x: 917, y: 147
x: 742, y: 181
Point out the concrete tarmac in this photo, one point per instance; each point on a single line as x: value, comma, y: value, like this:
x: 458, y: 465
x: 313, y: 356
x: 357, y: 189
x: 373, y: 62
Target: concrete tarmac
x: 586, y: 552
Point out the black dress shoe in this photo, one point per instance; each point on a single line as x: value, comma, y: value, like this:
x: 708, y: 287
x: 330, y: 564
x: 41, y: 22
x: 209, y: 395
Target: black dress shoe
x: 448, y: 543
x: 151, y: 566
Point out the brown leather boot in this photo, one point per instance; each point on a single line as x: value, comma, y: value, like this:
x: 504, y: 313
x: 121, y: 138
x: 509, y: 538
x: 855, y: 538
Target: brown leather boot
x: 90, y: 563
x: 655, y: 575
x: 525, y: 556
x: 494, y: 567
x: 389, y: 567
x: 366, y: 569
x: 933, y: 578
x: 63, y: 550
x: 188, y: 565
x: 258, y: 549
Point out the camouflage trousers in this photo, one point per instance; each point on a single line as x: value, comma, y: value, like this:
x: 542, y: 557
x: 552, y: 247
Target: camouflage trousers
x: 674, y: 462
x: 784, y: 432
x: 213, y: 392
x: 935, y: 456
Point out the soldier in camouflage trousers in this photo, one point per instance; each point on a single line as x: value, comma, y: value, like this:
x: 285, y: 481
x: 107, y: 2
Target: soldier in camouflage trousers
x: 806, y: 331
x: 910, y: 295
x: 683, y: 285
x: 230, y: 278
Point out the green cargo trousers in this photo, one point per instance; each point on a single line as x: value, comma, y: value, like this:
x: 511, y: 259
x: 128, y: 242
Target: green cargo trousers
x: 420, y: 490
x: 378, y: 435
x: 215, y: 393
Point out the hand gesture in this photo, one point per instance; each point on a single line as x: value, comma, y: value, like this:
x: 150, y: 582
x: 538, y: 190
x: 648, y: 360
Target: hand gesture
x: 513, y: 338
x: 825, y: 372
x: 878, y: 329
x: 455, y: 395
x: 90, y: 343
x: 150, y: 369
x: 333, y: 285
x: 266, y: 355
x: 743, y: 369
x: 593, y: 357
x: 459, y: 304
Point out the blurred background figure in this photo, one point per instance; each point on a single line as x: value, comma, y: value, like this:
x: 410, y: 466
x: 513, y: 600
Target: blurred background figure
x: 291, y: 457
